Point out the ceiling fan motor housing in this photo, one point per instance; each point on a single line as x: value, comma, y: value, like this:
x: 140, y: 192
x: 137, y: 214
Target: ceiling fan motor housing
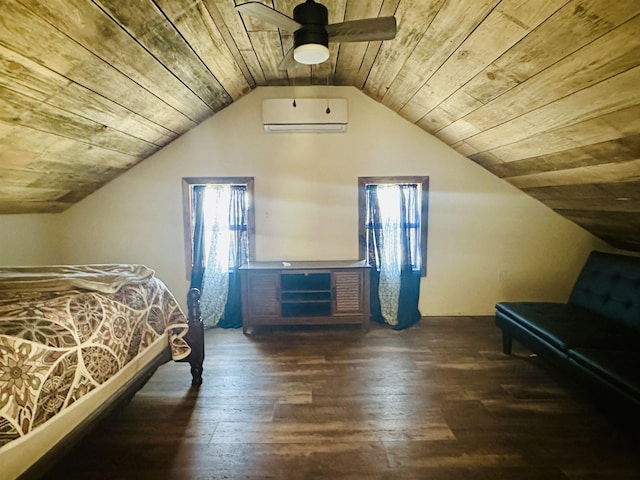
x: 313, y: 17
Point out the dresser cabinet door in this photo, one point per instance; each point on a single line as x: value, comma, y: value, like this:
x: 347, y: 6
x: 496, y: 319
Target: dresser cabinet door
x: 262, y: 292
x: 347, y: 288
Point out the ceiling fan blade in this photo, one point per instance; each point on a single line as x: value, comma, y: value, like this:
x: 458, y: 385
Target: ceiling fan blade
x: 288, y: 62
x: 368, y: 29
x: 267, y: 14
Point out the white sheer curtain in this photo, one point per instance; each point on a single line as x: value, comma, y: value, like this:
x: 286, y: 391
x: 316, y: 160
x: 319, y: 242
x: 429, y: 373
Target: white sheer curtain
x: 215, y: 281
x: 389, y: 201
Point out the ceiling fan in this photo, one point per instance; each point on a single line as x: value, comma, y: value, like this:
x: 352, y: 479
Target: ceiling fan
x: 312, y: 33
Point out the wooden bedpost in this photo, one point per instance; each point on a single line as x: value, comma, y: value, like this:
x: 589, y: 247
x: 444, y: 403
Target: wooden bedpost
x: 195, y: 336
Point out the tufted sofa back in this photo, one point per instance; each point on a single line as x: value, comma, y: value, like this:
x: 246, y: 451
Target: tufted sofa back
x: 609, y: 284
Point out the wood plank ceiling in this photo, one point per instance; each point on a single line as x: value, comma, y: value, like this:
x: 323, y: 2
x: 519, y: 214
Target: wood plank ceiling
x: 542, y: 93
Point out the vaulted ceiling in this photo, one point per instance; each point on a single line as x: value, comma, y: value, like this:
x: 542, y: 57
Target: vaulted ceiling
x: 542, y: 93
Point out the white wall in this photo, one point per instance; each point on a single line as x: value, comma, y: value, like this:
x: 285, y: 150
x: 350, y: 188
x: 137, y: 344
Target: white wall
x: 30, y: 239
x: 487, y: 241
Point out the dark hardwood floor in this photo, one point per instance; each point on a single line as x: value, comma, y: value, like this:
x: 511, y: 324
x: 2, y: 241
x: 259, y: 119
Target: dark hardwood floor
x: 437, y: 401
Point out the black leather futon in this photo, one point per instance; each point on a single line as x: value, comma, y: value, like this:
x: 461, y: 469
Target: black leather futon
x: 596, y: 334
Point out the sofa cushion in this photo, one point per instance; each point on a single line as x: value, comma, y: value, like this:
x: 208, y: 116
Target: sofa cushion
x: 609, y: 284
x: 620, y: 368
x: 566, y: 326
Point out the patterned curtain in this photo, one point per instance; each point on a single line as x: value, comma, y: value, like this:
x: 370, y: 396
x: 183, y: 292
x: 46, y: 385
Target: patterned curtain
x: 215, y: 280
x: 391, y: 253
x: 392, y: 239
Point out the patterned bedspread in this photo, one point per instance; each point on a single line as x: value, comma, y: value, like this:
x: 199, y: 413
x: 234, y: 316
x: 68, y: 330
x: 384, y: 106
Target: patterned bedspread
x: 56, y: 347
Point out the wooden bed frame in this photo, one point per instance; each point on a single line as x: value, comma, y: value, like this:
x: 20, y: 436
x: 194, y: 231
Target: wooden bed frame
x: 195, y: 339
x: 195, y: 336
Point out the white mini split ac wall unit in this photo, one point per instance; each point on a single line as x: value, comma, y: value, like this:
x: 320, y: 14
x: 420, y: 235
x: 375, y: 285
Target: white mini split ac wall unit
x: 304, y: 115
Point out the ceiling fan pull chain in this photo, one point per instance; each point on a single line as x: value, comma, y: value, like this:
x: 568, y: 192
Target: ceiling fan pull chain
x: 294, y: 90
x: 328, y: 110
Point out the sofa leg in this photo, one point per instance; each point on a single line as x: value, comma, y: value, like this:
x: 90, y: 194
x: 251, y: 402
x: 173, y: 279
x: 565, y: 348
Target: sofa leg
x: 506, y: 343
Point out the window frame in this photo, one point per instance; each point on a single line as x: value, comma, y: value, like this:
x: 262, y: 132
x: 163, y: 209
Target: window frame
x: 423, y: 184
x: 188, y: 184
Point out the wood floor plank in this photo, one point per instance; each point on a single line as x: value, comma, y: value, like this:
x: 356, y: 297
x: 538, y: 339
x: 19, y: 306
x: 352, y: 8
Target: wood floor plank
x: 436, y: 401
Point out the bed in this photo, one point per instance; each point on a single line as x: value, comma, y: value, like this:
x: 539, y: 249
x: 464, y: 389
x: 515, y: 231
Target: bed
x: 75, y: 341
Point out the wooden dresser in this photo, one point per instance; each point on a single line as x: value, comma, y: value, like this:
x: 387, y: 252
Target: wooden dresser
x: 305, y: 293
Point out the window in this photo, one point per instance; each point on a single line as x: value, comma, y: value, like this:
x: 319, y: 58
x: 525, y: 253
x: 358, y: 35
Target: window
x: 381, y: 199
x: 236, y: 195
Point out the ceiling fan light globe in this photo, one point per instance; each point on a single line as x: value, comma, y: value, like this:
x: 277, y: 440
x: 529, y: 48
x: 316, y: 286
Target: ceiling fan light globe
x: 311, y: 54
